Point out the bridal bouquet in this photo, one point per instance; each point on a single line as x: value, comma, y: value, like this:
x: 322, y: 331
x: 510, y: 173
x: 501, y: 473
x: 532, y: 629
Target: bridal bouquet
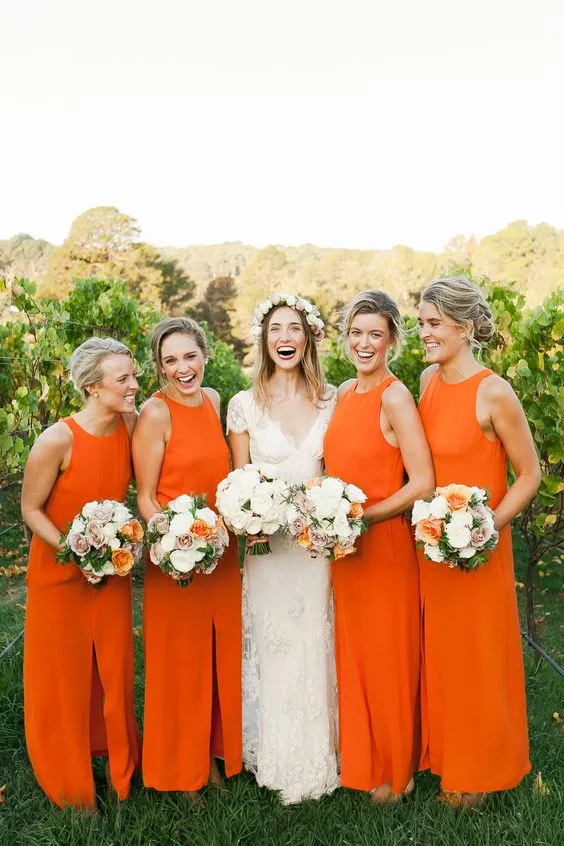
x: 186, y: 537
x: 455, y: 526
x: 253, y: 502
x: 326, y: 517
x: 104, y: 539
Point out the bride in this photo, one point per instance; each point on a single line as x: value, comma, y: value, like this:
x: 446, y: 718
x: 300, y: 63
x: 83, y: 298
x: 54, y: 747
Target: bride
x: 289, y: 693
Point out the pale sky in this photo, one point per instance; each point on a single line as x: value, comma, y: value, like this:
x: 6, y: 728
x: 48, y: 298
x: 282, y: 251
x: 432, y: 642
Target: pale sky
x: 358, y: 123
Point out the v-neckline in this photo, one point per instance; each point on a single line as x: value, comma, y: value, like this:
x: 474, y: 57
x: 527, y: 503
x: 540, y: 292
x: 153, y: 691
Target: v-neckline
x: 290, y: 438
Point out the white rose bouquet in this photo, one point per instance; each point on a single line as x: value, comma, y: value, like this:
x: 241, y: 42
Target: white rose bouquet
x: 104, y: 539
x: 186, y: 537
x: 326, y: 517
x: 252, y: 502
x: 455, y: 526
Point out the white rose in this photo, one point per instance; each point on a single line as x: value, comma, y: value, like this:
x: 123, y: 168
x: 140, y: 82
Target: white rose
x: 307, y: 306
x: 270, y: 527
x: 434, y: 553
x: 326, y: 507
x: 332, y: 487
x: 182, y: 504
x: 114, y: 544
x: 89, y: 508
x: 343, y: 508
x: 342, y: 528
x: 421, y: 511
x: 239, y: 520
x: 354, y: 494
x: 275, y: 298
x: 479, y: 493
x: 261, y: 503
x: 467, y: 552
x: 458, y: 536
x: 291, y: 300
x: 438, y: 507
x: 168, y: 542
x: 207, y: 515
x: 182, y: 560
x: 254, y: 526
x: 462, y: 518
x: 109, y: 531
x: 266, y: 306
x: 292, y: 513
x: 107, y: 570
x: 122, y: 515
x: 180, y: 524
x: 78, y: 526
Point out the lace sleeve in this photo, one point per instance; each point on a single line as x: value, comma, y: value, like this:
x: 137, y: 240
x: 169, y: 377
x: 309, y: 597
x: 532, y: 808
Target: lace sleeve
x: 331, y: 401
x: 236, y: 420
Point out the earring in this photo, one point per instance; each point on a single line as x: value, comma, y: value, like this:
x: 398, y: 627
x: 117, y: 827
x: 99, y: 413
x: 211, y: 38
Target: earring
x: 96, y: 394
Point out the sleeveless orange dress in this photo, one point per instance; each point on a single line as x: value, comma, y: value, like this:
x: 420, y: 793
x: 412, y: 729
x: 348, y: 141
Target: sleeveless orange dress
x: 376, y: 608
x: 473, y: 687
x: 192, y: 634
x: 78, y: 648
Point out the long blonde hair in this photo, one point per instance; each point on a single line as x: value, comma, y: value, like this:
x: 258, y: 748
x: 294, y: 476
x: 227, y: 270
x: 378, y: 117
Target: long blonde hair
x: 310, y: 365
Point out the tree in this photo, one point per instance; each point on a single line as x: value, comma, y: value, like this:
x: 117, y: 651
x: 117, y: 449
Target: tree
x: 215, y: 309
x: 104, y: 243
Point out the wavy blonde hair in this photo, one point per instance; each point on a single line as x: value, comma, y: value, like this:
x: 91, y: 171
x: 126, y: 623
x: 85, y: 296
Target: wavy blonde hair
x: 458, y: 298
x: 310, y: 365
x: 372, y: 302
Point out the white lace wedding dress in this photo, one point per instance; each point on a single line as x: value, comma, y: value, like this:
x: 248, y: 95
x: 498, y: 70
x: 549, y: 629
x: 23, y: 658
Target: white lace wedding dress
x: 289, y: 684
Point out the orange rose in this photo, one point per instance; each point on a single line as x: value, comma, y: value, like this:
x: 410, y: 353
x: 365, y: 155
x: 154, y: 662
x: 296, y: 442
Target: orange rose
x: 133, y: 530
x: 123, y: 561
x: 429, y: 531
x: 356, y: 510
x: 457, y: 496
x: 304, y: 539
x: 341, y: 552
x: 200, y: 529
x: 313, y: 483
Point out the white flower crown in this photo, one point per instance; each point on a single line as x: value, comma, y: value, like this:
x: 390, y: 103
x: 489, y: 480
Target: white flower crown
x: 312, y: 313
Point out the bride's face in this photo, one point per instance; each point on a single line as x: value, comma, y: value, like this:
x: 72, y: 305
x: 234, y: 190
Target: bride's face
x: 286, y: 340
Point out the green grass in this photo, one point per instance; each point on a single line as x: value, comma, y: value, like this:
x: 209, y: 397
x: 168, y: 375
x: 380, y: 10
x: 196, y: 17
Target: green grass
x: 244, y: 814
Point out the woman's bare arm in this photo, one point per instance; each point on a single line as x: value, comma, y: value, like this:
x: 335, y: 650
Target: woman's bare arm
x: 399, y: 407
x: 148, y: 447
x: 48, y: 456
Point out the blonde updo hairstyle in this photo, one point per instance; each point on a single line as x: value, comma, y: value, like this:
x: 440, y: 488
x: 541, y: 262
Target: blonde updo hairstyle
x: 172, y: 326
x: 372, y: 302
x: 456, y: 298
x: 85, y: 365
x: 310, y: 364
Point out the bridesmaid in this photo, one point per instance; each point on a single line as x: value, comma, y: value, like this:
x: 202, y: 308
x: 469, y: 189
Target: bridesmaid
x: 78, y: 648
x: 473, y: 690
x: 375, y: 440
x: 192, y: 635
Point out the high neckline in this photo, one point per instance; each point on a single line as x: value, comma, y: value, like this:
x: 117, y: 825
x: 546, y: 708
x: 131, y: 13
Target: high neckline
x: 462, y: 381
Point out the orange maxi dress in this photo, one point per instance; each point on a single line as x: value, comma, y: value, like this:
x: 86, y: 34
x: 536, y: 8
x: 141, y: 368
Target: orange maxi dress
x: 473, y: 688
x: 192, y: 634
x: 376, y: 609
x: 78, y: 648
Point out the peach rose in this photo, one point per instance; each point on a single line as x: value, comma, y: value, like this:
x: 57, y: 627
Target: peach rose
x: 133, y: 530
x: 200, y: 529
x: 313, y: 483
x: 123, y: 561
x: 457, y: 496
x: 342, y: 551
x: 356, y: 510
x: 304, y: 539
x: 429, y: 531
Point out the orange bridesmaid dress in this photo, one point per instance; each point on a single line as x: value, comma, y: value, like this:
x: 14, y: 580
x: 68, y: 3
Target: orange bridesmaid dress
x: 473, y: 687
x: 376, y: 608
x: 192, y: 634
x: 78, y: 647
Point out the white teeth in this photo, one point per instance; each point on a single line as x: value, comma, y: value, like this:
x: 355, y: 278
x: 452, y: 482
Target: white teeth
x: 286, y: 352
x: 185, y: 380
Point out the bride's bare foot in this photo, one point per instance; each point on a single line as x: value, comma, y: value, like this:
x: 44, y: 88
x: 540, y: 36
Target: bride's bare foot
x: 215, y: 776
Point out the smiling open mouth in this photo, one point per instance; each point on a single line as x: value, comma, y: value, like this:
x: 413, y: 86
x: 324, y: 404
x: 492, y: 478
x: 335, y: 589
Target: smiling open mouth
x: 187, y: 380
x: 286, y: 353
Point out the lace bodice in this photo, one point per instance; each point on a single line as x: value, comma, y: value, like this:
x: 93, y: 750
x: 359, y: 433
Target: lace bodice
x: 270, y: 445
